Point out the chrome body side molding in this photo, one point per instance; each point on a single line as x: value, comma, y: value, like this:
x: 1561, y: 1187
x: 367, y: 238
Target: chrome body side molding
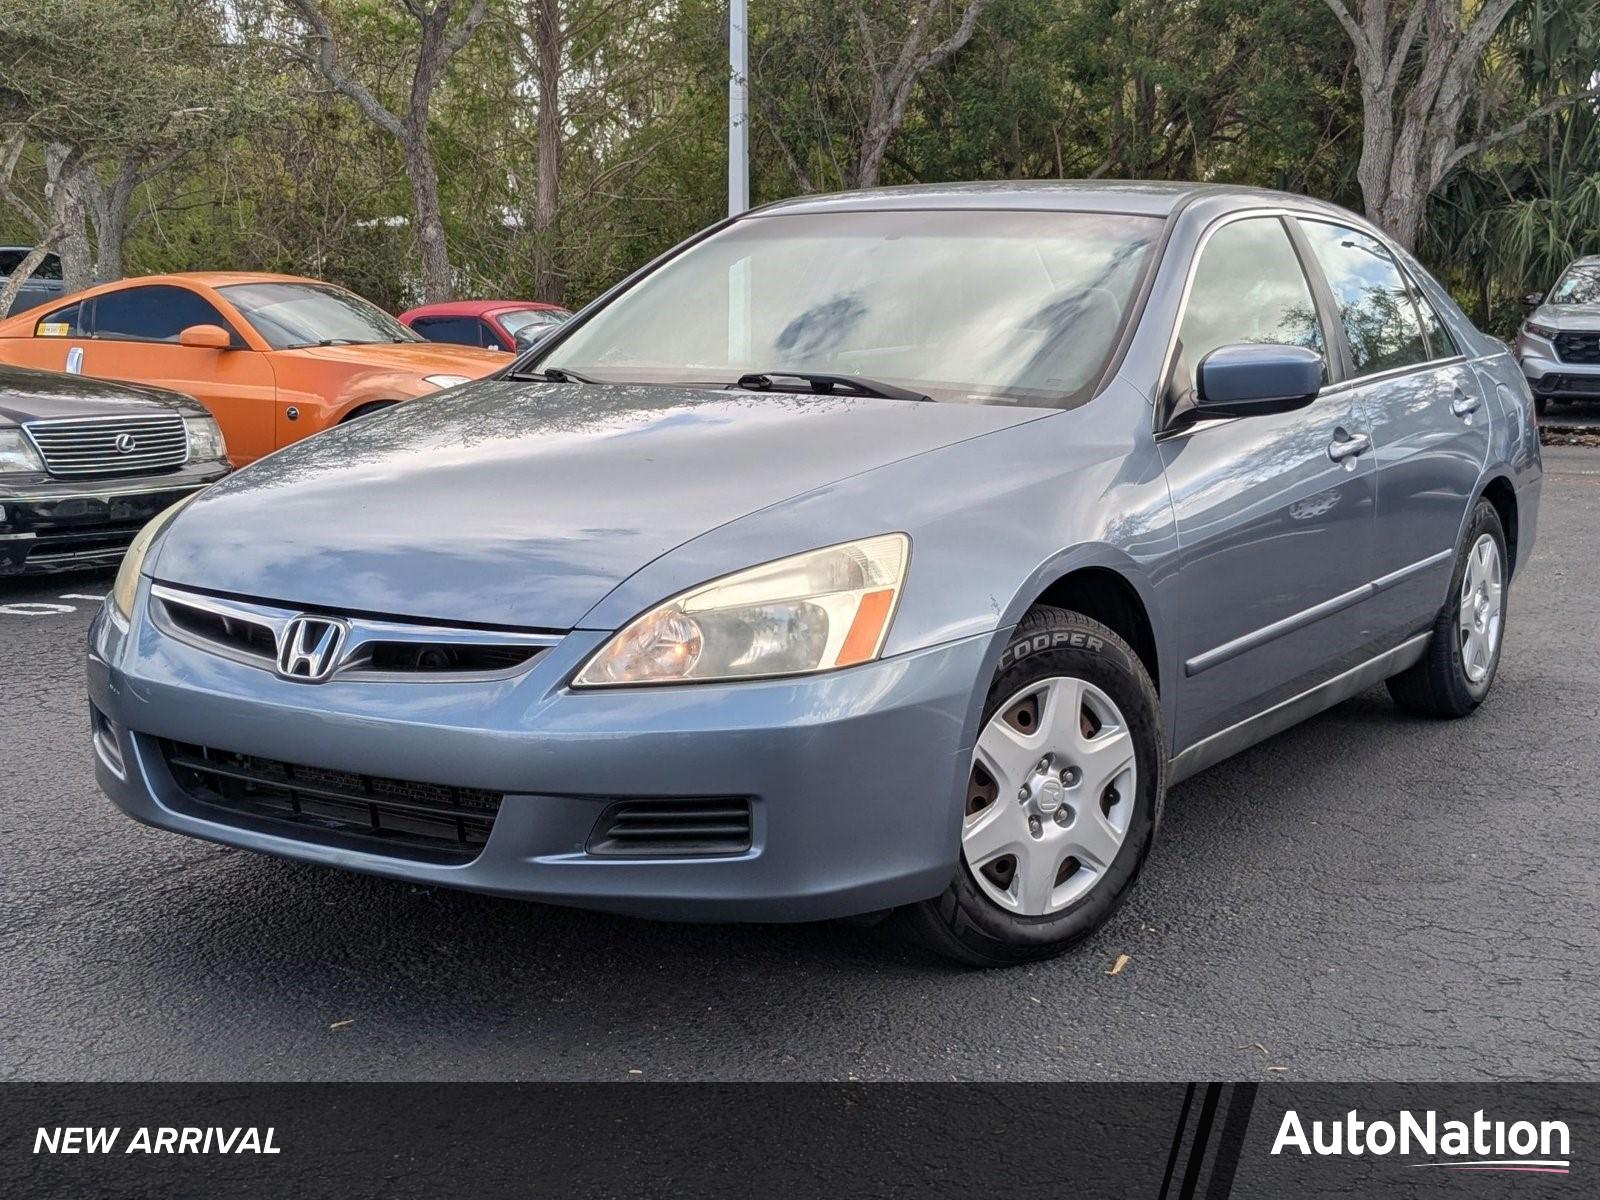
x: 1260, y: 637
x: 1237, y: 737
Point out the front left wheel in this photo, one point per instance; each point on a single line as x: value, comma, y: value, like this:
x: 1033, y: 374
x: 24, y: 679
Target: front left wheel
x: 1065, y: 783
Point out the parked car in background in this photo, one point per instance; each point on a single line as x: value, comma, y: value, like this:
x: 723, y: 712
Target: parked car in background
x: 1558, y: 345
x: 511, y: 325
x: 274, y: 357
x: 823, y: 595
x: 43, y: 286
x: 85, y: 464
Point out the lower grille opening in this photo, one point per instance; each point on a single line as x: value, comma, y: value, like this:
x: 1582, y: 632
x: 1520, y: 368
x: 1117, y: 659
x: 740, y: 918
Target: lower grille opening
x: 672, y: 828
x: 394, y: 816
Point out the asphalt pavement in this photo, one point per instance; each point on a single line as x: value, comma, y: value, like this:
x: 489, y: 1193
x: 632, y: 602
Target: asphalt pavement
x: 1367, y: 896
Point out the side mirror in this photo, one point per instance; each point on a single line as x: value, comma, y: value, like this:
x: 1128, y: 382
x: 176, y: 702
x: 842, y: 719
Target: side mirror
x: 206, y: 337
x: 1533, y: 299
x: 1249, y: 380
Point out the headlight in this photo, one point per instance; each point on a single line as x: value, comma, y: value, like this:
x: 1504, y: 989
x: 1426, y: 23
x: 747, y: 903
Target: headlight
x: 127, y: 583
x: 17, y: 453
x: 1538, y: 330
x: 446, y: 381
x: 813, y: 612
x: 205, y: 439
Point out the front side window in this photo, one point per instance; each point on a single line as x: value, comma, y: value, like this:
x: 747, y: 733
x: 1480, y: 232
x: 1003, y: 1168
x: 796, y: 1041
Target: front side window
x: 289, y: 316
x: 158, y: 313
x: 1579, y: 284
x: 1375, y: 306
x: 1248, y: 287
x: 978, y: 307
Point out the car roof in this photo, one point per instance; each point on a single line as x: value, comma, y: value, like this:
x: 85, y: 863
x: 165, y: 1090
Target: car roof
x: 475, y: 308
x: 1156, y: 198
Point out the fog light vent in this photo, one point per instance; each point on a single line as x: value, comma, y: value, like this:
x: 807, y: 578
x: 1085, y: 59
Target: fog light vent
x: 672, y: 828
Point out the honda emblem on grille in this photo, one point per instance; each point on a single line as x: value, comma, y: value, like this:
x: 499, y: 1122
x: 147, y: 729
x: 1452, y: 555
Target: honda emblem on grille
x: 125, y: 443
x: 309, y: 648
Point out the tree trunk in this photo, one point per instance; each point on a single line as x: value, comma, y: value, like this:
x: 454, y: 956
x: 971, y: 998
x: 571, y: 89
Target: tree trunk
x: 549, y: 281
x: 24, y: 272
x: 110, y: 215
x: 63, y: 196
x: 437, y: 282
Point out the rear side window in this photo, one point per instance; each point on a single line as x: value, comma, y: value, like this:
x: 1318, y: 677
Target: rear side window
x: 1375, y: 306
x: 1248, y: 287
x: 461, y: 331
x: 49, y: 266
x: 71, y: 321
x: 158, y: 313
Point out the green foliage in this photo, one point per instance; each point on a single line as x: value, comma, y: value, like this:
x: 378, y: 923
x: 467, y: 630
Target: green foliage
x: 284, y: 174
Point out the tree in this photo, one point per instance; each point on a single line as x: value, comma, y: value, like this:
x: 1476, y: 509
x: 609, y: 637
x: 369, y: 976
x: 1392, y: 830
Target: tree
x: 439, y: 38
x: 1418, y: 62
x: 177, y: 93
x: 51, y: 224
x: 871, y: 59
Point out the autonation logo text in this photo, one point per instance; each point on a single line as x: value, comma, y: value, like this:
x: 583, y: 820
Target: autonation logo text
x: 1480, y: 1144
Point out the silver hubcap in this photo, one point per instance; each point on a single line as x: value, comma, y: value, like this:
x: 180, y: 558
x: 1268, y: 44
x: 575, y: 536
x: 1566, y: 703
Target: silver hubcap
x: 1480, y: 612
x: 1050, y: 797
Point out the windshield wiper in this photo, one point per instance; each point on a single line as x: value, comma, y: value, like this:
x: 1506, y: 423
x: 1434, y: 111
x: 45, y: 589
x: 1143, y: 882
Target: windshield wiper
x: 555, y: 375
x: 341, y: 341
x: 762, y: 381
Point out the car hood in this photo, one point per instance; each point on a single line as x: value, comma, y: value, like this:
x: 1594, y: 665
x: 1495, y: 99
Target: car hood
x: 523, y: 505
x: 424, y: 358
x: 1568, y: 317
x: 28, y: 395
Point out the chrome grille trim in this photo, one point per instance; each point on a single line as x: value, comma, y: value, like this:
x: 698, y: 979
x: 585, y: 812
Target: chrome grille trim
x: 251, y: 627
x: 72, y: 446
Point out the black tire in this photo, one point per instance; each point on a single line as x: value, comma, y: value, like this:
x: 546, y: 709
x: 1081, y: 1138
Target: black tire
x: 1540, y: 404
x: 366, y: 410
x: 1437, y: 685
x: 963, y: 923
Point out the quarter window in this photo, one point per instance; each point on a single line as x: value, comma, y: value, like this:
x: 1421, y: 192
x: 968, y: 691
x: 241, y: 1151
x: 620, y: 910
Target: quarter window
x: 1440, y: 343
x: 64, y: 322
x: 1248, y: 287
x: 152, y: 314
x: 1375, y: 306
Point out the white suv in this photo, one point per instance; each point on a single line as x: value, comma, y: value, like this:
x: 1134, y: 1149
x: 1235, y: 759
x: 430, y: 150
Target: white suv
x: 1559, y: 344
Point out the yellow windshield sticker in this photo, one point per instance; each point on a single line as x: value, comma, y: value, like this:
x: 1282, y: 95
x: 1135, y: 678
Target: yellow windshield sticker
x: 53, y: 329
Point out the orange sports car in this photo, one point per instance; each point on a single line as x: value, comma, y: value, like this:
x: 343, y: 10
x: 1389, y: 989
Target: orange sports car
x: 275, y: 358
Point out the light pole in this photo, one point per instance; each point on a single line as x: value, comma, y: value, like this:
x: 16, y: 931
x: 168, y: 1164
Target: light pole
x: 738, y: 107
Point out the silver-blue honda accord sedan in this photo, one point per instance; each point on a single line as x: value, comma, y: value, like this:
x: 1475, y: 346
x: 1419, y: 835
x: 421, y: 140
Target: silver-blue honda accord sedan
x: 883, y: 552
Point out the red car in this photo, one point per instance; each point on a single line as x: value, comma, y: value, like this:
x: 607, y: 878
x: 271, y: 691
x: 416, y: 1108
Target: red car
x: 495, y: 324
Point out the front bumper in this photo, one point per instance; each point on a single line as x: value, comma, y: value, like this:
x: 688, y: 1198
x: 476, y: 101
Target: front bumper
x: 855, y: 778
x: 1551, y: 377
x: 60, y: 525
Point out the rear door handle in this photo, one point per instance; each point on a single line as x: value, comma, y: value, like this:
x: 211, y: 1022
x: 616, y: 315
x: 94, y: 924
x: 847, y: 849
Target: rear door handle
x: 1464, y: 403
x: 1349, y: 446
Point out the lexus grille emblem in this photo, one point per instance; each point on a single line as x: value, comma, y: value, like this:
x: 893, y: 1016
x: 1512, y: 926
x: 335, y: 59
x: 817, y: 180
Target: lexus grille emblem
x: 125, y: 443
x: 309, y: 648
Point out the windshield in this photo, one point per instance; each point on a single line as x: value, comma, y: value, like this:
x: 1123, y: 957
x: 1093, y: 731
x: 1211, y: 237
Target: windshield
x: 964, y: 306
x: 531, y: 320
x: 291, y: 315
x: 1580, y: 285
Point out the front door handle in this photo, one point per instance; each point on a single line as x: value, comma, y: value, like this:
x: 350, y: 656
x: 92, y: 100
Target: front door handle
x: 1349, y: 446
x: 1464, y: 403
